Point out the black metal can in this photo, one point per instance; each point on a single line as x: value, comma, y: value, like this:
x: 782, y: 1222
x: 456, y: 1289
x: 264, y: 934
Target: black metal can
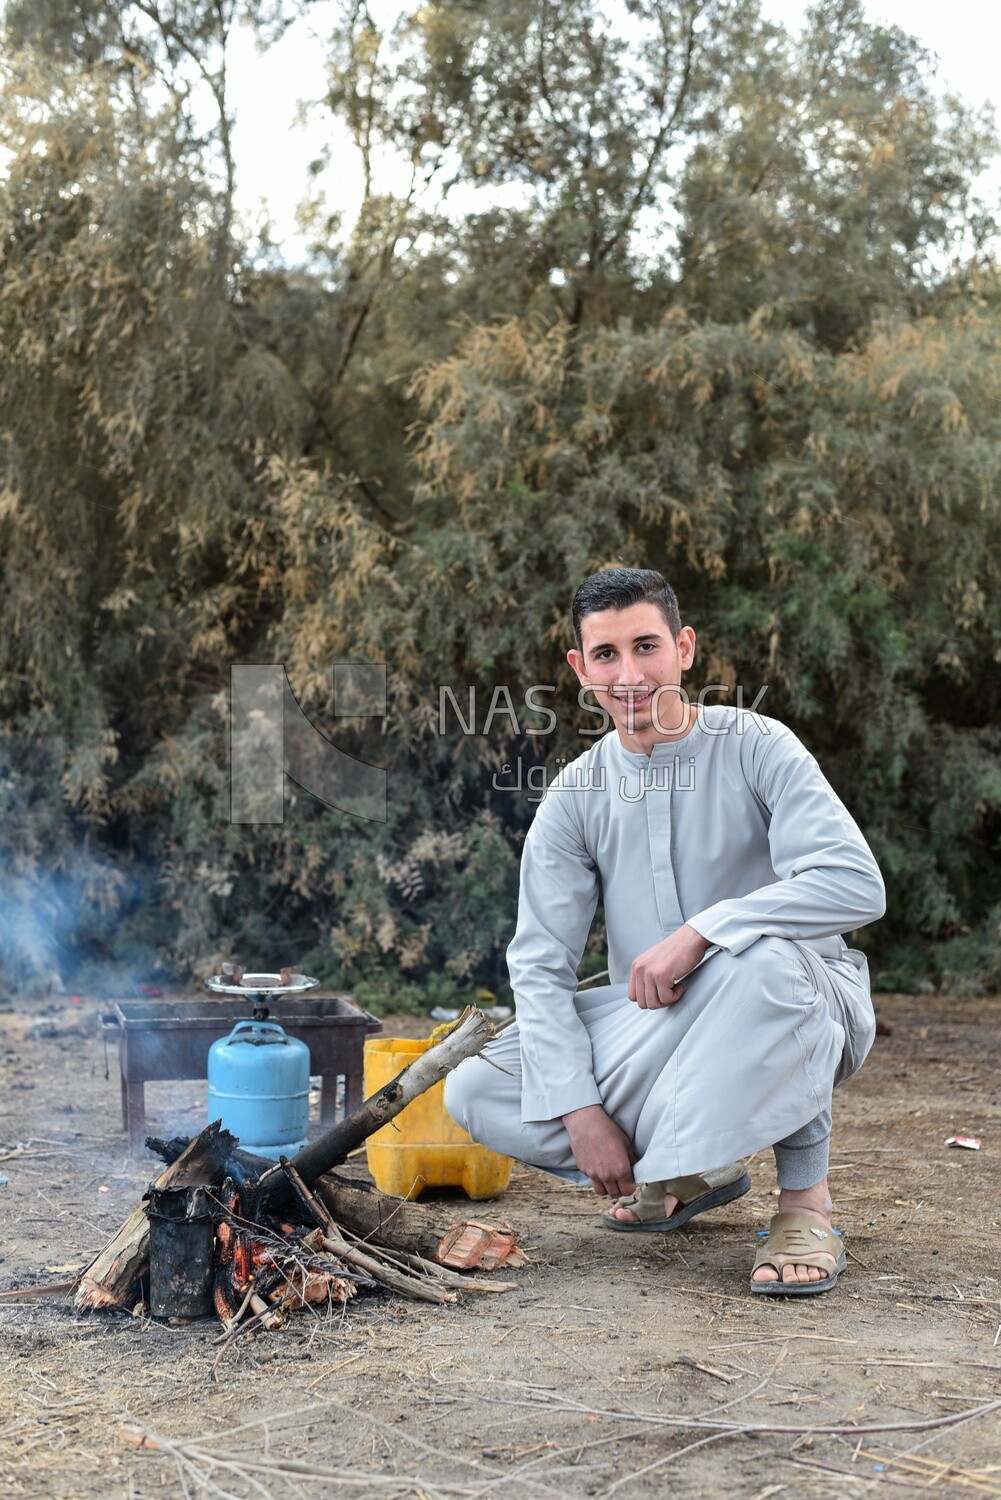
x: 181, y: 1236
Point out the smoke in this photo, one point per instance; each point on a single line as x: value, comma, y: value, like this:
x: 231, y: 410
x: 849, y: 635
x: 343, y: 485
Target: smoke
x: 78, y: 926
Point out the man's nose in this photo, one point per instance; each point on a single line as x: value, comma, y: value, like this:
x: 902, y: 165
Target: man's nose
x: 630, y: 674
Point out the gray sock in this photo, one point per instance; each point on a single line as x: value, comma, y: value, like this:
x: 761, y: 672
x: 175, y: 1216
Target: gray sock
x: 802, y: 1158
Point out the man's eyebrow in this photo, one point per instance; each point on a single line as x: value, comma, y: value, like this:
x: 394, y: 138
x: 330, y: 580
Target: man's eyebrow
x: 648, y: 635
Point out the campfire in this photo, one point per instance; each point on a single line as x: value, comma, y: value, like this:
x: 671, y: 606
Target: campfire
x: 225, y: 1231
x: 274, y: 1275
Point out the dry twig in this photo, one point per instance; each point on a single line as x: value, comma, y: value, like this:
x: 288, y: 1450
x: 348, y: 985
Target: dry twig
x: 546, y: 1397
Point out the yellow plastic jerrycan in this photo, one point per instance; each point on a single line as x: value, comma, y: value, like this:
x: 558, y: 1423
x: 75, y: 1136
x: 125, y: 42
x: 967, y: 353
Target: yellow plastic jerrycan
x: 423, y: 1147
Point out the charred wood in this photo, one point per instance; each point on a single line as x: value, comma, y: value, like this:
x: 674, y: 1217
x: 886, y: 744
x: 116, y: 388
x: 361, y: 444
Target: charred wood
x: 168, y: 1151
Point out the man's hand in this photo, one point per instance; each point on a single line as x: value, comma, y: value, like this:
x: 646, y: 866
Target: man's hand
x: 653, y: 979
x: 601, y: 1150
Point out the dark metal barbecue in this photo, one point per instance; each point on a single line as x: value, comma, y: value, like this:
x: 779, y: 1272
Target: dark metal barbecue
x: 170, y: 1039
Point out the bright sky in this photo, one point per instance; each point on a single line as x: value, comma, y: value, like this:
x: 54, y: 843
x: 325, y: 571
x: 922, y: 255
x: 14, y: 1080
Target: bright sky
x: 274, y: 147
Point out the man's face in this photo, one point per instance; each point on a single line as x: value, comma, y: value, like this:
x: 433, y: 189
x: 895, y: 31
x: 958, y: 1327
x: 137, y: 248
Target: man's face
x: 633, y: 665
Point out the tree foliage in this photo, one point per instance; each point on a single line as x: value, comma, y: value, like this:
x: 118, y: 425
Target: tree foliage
x: 653, y: 283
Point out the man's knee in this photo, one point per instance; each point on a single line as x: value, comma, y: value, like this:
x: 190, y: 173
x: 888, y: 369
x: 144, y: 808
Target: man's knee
x: 459, y: 1091
x: 485, y: 1112
x: 762, y: 967
x: 483, y: 1094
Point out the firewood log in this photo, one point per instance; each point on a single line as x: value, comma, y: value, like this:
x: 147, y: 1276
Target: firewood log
x: 412, y: 1227
x: 469, y: 1036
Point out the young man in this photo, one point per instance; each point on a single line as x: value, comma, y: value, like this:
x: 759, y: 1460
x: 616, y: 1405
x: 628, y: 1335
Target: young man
x: 729, y: 869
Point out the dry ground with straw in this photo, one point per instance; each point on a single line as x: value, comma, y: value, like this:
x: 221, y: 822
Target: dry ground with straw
x: 623, y: 1364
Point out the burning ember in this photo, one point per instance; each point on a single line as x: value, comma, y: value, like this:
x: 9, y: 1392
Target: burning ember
x: 271, y: 1275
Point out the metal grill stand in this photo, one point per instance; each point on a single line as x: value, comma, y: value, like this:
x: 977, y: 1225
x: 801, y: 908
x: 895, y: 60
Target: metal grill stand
x: 169, y: 1040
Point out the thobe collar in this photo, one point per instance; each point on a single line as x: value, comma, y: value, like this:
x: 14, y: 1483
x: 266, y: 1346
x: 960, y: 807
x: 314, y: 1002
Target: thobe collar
x: 664, y: 752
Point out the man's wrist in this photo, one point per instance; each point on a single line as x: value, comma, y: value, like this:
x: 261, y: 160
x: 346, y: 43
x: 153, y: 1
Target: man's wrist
x: 580, y: 1116
x: 576, y: 1122
x: 703, y: 941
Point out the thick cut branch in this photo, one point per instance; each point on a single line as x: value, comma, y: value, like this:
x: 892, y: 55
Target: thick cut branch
x: 469, y: 1036
x: 379, y: 1217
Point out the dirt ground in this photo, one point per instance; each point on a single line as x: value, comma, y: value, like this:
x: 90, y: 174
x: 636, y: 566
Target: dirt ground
x: 603, y: 1373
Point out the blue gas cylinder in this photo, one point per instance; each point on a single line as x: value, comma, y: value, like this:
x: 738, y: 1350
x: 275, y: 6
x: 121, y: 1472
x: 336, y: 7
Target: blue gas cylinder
x: 259, y: 1087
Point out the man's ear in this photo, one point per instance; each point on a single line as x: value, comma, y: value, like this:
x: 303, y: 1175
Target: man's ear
x: 577, y: 662
x: 686, y: 646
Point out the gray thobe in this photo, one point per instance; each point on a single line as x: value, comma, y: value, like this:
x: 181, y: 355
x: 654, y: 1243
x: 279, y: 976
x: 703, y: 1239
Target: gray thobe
x: 733, y: 829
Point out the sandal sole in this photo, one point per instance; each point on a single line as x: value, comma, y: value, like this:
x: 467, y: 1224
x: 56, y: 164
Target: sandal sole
x: 714, y: 1199
x: 800, y: 1288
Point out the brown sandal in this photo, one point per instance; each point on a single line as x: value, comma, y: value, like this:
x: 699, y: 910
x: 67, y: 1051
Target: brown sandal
x: 796, y: 1239
x: 694, y: 1195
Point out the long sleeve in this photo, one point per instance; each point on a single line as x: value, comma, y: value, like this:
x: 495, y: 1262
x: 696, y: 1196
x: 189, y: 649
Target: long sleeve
x: 829, y: 882
x: 559, y: 893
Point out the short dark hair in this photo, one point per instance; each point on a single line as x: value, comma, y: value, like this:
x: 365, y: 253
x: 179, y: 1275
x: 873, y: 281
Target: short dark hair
x: 618, y: 588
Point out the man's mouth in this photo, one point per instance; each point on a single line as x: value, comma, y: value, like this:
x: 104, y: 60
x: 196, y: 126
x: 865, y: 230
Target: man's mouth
x: 633, y: 696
